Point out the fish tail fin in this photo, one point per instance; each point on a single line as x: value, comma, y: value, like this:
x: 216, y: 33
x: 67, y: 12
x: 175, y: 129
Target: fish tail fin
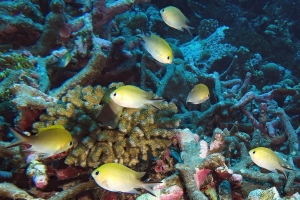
x: 156, y: 103
x: 149, y: 185
x: 20, y: 138
x: 188, y: 29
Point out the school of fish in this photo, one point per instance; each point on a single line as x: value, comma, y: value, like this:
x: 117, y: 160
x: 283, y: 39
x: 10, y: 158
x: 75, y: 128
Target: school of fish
x: 117, y: 177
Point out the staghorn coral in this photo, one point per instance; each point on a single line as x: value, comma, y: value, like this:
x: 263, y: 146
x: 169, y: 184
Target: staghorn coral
x: 140, y: 131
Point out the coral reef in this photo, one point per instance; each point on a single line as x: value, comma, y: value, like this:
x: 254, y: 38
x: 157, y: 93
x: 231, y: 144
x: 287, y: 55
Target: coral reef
x: 247, y: 53
x: 139, y: 133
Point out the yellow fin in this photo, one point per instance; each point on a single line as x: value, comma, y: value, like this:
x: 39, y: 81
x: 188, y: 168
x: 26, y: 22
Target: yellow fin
x: 283, y: 162
x: 51, y: 127
x: 139, y: 175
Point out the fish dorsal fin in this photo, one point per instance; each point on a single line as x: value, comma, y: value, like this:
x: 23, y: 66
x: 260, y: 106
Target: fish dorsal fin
x: 157, y: 51
x: 148, y: 95
x: 51, y: 127
x: 152, y: 35
x: 186, y: 20
x: 139, y: 175
x: 283, y: 162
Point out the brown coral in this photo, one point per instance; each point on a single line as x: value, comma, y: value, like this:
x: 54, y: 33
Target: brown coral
x: 140, y: 132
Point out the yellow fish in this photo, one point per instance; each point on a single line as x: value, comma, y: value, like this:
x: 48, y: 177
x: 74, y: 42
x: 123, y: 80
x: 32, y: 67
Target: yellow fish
x: 110, y: 113
x: 118, y: 178
x: 130, y: 96
x: 174, y: 18
x: 158, y: 48
x: 198, y: 94
x: 47, y: 142
x: 266, y: 158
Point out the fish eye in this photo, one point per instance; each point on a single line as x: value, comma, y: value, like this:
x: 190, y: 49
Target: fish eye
x: 163, y: 10
x: 97, y: 173
x: 115, y: 94
x: 168, y: 57
x: 253, y: 152
x: 71, y: 143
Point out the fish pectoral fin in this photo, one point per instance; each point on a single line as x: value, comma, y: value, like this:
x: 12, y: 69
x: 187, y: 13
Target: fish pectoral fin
x: 106, y: 185
x: 157, y: 51
x: 133, y: 191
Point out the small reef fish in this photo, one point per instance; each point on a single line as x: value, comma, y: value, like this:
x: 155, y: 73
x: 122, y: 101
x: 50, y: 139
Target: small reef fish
x: 198, y: 94
x: 174, y: 18
x: 60, y: 58
x: 110, y: 113
x: 119, y: 178
x: 130, y: 96
x: 64, y: 60
x: 158, y: 48
x: 267, y: 159
x: 47, y: 142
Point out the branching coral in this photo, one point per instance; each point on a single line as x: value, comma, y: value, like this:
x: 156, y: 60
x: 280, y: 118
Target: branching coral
x: 139, y: 133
